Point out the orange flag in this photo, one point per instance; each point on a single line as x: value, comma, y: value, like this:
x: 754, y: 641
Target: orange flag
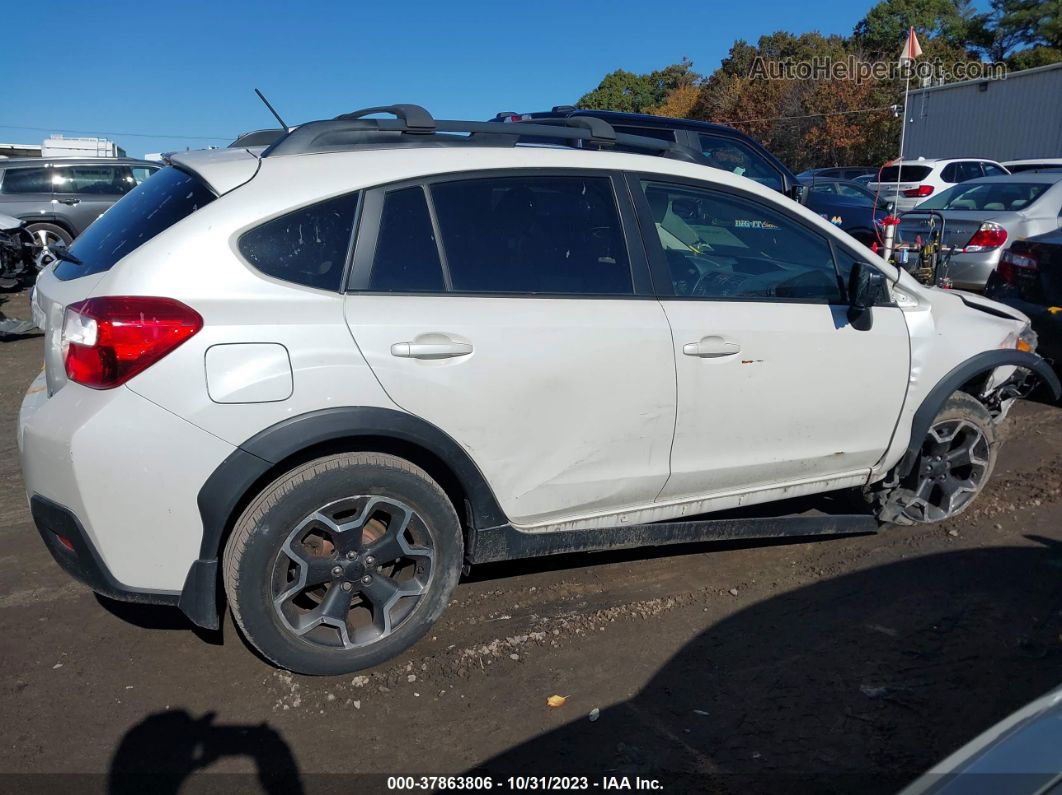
x: 911, y: 48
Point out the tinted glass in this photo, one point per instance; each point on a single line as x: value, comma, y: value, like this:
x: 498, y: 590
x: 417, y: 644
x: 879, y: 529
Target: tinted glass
x: 308, y: 246
x: 533, y: 235
x: 94, y: 180
x: 992, y: 170
x: 140, y: 173
x: 140, y: 215
x: 950, y: 173
x: 406, y: 259
x: 822, y: 189
x: 1001, y: 196
x: 969, y: 170
x: 854, y: 194
x: 741, y: 159
x: 723, y: 246
x: 904, y: 173
x: 27, y: 180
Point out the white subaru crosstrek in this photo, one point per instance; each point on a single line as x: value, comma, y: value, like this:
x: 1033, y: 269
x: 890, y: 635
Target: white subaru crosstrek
x: 318, y: 380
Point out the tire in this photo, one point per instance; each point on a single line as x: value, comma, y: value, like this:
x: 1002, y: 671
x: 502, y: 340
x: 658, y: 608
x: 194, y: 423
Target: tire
x: 955, y: 462
x: 44, y: 235
x: 366, y: 530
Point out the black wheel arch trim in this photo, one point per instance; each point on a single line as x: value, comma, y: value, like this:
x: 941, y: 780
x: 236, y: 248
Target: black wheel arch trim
x: 981, y: 364
x: 229, y: 484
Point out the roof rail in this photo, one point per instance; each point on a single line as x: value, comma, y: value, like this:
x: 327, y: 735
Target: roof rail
x: 414, y: 117
x: 353, y: 129
x: 257, y: 138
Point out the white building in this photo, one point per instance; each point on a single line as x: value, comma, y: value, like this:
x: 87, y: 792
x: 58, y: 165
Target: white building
x: 58, y: 146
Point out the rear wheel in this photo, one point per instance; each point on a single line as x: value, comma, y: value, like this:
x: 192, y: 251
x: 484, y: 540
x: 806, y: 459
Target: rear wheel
x: 954, y: 463
x: 343, y: 563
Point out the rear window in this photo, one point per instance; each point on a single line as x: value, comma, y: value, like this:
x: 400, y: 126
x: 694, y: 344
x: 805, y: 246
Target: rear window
x: 308, y: 246
x: 27, y: 180
x: 904, y: 173
x: 141, y: 214
x: 987, y: 196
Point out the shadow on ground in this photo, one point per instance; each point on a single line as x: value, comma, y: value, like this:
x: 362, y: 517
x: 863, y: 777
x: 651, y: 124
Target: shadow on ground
x: 854, y: 684
x: 158, y: 754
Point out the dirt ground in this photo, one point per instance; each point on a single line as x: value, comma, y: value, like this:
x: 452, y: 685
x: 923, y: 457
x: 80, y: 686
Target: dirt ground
x: 841, y: 665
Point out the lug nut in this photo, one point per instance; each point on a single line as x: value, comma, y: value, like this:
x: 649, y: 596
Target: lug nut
x: 366, y: 579
x: 352, y: 555
x: 369, y: 560
x: 337, y: 571
x: 347, y: 586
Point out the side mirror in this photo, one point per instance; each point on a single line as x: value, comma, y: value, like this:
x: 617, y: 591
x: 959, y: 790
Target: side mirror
x: 865, y: 285
x: 799, y: 193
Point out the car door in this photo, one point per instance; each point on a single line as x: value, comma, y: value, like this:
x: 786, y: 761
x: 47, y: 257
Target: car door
x: 86, y: 191
x: 509, y: 311
x: 776, y: 387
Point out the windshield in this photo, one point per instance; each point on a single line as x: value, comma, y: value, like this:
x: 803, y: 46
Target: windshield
x: 153, y: 206
x: 904, y: 173
x: 999, y: 196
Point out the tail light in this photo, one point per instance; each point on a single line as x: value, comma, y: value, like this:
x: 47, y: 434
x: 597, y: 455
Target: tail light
x: 106, y: 341
x: 1012, y: 263
x: 989, y: 236
x: 920, y: 192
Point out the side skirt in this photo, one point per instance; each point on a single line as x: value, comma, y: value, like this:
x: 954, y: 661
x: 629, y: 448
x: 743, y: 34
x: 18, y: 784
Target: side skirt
x: 507, y: 543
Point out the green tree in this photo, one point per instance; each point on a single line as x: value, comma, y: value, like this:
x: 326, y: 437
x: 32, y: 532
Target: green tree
x: 881, y: 32
x: 625, y: 91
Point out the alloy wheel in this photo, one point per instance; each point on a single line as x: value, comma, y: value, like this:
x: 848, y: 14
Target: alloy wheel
x: 353, y: 571
x: 951, y: 470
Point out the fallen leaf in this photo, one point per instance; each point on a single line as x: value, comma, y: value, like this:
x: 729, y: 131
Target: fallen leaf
x: 557, y: 701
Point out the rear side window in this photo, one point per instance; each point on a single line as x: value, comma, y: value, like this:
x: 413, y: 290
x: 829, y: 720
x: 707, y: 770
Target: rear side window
x: 407, y: 258
x: 739, y: 158
x: 308, y: 246
x: 26, y: 180
x: 530, y: 234
x: 905, y: 173
x: 94, y: 180
x: 140, y: 215
x: 992, y: 170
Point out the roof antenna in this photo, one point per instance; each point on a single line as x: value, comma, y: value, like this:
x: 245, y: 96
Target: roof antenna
x: 272, y: 110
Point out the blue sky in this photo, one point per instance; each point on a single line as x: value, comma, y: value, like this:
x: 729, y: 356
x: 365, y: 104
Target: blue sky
x: 189, y: 69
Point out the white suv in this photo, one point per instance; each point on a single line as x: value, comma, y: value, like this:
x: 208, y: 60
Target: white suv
x: 321, y: 379
x: 910, y: 182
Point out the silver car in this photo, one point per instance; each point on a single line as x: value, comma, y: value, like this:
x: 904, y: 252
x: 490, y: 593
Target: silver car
x: 982, y: 217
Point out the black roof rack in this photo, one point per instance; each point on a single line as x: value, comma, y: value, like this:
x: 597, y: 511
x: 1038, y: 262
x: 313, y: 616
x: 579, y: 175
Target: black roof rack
x: 412, y: 125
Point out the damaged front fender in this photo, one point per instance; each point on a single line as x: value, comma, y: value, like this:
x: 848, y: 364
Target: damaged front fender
x: 983, y: 365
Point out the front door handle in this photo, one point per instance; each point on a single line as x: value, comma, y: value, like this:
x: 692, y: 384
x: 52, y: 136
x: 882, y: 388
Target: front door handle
x: 70, y: 201
x: 711, y: 348
x: 430, y: 350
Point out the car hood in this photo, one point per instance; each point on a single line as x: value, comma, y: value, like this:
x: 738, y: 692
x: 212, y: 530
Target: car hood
x: 979, y: 302
x: 8, y: 222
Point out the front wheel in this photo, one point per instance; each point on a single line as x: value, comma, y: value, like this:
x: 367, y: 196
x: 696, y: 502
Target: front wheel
x: 343, y: 563
x: 954, y: 463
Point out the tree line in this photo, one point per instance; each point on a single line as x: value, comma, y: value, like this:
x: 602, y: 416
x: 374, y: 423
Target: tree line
x: 823, y: 121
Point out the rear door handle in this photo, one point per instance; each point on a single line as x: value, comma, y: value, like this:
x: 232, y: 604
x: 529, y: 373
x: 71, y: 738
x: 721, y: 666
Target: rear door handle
x: 430, y: 350
x: 711, y: 348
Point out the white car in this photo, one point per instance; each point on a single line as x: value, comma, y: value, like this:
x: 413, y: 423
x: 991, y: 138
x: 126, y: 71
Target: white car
x: 910, y: 182
x: 1034, y: 164
x: 327, y: 376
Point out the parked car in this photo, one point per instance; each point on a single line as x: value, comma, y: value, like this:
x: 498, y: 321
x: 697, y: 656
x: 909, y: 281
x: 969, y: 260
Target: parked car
x: 723, y: 147
x: 911, y: 182
x: 866, y: 179
x: 1029, y: 278
x: 60, y: 197
x: 395, y: 351
x: 1018, y: 756
x: 982, y: 217
x: 1037, y: 164
x: 838, y: 172
x: 848, y: 205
